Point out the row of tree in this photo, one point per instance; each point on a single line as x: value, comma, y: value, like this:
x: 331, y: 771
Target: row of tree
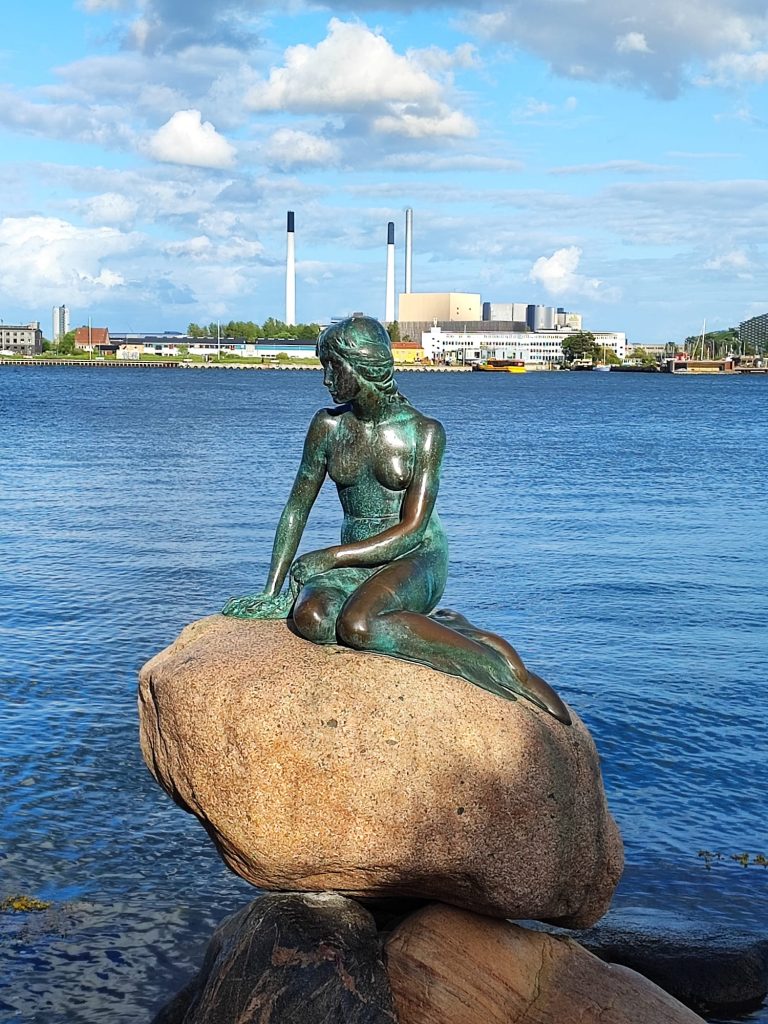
x: 271, y: 328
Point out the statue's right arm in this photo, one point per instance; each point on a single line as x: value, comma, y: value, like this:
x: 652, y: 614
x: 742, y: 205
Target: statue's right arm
x: 306, y: 487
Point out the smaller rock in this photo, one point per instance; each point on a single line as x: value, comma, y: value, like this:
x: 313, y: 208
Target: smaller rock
x: 289, y: 958
x: 449, y: 966
x: 713, y: 970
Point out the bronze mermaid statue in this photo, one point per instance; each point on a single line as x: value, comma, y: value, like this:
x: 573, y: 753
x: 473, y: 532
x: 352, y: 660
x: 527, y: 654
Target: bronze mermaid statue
x: 378, y: 589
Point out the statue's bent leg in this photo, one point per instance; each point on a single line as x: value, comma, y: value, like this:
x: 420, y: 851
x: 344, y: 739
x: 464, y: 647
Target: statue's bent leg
x: 316, y: 611
x: 531, y: 682
x: 387, y: 615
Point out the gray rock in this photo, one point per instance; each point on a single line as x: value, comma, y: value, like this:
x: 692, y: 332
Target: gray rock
x: 712, y: 970
x: 289, y: 958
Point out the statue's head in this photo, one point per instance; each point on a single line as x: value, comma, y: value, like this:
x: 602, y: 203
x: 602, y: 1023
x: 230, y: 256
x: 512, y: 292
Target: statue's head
x: 362, y: 343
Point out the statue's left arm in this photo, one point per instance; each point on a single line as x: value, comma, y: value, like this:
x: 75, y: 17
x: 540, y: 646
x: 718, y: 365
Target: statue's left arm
x: 405, y: 536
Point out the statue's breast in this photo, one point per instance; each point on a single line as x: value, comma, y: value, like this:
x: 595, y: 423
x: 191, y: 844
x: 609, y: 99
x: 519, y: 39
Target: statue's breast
x: 393, y: 458
x: 362, y: 455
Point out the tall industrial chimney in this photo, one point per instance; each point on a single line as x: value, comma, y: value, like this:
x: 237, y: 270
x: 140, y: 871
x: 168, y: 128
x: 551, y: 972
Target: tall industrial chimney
x: 389, y: 304
x: 408, y: 248
x: 290, y: 274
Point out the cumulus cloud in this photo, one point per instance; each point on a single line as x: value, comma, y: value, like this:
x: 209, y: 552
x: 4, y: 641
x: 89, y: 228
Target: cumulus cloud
x: 651, y: 46
x: 356, y: 71
x: 632, y: 42
x: 558, y: 275
x: 110, y: 208
x: 45, y: 257
x: 187, y: 139
x: 289, y: 147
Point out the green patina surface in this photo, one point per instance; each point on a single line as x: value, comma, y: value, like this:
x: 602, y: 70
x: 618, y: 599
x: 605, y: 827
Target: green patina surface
x: 377, y: 590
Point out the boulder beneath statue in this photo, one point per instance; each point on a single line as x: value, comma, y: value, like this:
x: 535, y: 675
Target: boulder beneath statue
x: 291, y: 958
x: 324, y: 769
x: 447, y: 966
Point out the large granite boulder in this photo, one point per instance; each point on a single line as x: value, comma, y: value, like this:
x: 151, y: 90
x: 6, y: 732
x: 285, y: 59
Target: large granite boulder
x: 320, y: 768
x: 289, y: 958
x: 448, y: 966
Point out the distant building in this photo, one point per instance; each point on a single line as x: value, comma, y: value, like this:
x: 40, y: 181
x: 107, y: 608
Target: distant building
x: 448, y: 306
x: 60, y: 323
x: 536, y: 318
x: 535, y: 348
x: 511, y: 312
x: 17, y: 340
x: 753, y: 334
x: 90, y: 338
x: 407, y: 352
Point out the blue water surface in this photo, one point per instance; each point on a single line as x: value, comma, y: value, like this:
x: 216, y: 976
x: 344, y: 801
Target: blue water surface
x: 613, y: 526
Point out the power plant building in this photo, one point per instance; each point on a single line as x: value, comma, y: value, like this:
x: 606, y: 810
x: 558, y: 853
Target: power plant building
x: 445, y: 306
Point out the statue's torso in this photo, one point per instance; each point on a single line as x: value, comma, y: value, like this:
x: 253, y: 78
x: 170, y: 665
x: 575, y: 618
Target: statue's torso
x: 372, y: 465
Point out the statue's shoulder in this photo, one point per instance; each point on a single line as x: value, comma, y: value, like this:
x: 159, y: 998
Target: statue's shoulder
x: 428, y: 430
x: 428, y: 425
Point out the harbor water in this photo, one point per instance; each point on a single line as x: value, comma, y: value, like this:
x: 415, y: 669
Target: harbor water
x: 613, y: 526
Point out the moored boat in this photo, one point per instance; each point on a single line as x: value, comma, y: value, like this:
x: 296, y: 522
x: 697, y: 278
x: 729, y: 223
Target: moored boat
x: 500, y: 366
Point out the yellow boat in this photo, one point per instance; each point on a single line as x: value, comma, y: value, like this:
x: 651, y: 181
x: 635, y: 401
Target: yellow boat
x: 500, y: 366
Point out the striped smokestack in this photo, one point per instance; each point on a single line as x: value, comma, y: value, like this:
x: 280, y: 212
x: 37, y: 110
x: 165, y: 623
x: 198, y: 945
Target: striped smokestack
x: 389, y: 303
x: 290, y: 273
x: 408, y: 249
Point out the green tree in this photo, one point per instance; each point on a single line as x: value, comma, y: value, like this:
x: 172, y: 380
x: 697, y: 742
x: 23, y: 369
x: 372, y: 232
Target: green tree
x: 716, y: 344
x: 308, y: 332
x: 393, y: 330
x: 66, y: 344
x: 580, y: 345
x: 196, y: 331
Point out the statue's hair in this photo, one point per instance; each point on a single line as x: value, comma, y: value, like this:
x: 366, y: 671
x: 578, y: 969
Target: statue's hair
x: 364, y: 343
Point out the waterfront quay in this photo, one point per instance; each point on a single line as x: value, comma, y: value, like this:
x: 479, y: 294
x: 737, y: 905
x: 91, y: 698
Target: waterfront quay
x: 172, y: 364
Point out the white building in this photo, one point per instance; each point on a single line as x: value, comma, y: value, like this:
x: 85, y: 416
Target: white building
x: 536, y: 348
x: 60, y: 323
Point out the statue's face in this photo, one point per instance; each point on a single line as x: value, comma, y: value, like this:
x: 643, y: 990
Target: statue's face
x: 339, y: 377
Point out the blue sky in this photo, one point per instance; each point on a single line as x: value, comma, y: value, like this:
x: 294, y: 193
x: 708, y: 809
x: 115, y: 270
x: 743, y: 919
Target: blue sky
x: 578, y: 153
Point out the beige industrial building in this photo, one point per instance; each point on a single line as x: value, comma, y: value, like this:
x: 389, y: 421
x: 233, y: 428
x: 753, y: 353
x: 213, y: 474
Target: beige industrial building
x: 442, y: 306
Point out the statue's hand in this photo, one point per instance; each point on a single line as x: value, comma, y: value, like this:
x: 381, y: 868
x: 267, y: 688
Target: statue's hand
x: 259, y: 606
x: 312, y: 564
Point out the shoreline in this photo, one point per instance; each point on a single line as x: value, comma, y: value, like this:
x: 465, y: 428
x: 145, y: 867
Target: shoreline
x: 175, y: 365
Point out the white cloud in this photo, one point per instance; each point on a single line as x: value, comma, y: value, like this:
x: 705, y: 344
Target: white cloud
x: 732, y: 68
x: 289, y: 147
x: 110, y: 208
x: 632, y: 42
x: 602, y: 39
x: 352, y: 68
x: 442, y: 124
x: 429, y: 162
x: 44, y: 257
x: 355, y: 71
x: 558, y: 275
x: 92, y: 6
x: 613, y: 167
x: 535, y: 108
x: 735, y: 260
x: 187, y: 139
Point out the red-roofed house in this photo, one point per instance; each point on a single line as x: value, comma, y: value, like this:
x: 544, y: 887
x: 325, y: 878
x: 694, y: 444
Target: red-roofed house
x: 91, y: 337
